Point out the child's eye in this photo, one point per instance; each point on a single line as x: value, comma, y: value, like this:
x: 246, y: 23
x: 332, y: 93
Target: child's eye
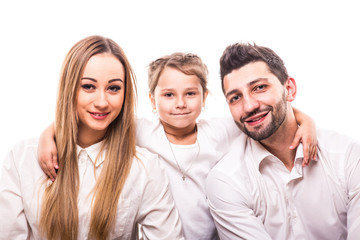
x: 168, y: 94
x: 114, y: 88
x: 88, y: 86
x: 191, y: 93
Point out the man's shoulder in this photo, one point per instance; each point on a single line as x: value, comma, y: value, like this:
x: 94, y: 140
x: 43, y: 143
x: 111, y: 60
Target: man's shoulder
x: 335, y: 142
x: 232, y: 162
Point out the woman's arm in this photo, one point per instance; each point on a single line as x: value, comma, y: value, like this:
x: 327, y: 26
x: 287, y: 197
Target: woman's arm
x: 13, y: 223
x: 306, y: 134
x: 47, y: 152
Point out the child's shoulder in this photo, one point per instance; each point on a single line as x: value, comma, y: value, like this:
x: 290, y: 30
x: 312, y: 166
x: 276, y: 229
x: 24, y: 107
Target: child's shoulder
x: 224, y: 126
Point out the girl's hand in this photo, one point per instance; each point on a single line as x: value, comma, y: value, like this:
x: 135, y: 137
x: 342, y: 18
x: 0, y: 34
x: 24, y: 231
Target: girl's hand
x: 306, y: 134
x: 309, y: 143
x: 47, y: 153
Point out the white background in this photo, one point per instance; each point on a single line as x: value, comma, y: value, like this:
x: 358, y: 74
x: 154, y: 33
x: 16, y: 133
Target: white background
x: 318, y: 40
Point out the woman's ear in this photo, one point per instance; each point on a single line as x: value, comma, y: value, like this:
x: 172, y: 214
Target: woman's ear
x: 291, y: 89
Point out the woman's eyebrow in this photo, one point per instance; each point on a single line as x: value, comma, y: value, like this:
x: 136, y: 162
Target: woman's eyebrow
x: 110, y: 81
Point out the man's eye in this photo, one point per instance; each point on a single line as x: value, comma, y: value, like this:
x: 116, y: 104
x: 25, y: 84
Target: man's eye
x: 114, y: 88
x: 88, y: 86
x: 234, y: 99
x: 260, y: 87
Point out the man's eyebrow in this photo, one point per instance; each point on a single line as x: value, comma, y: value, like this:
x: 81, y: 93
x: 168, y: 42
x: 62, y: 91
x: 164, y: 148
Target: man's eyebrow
x: 249, y: 84
x: 110, y: 81
x: 257, y: 80
x: 231, y: 92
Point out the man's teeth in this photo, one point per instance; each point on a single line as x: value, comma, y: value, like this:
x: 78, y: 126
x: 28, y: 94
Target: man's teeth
x: 256, y: 119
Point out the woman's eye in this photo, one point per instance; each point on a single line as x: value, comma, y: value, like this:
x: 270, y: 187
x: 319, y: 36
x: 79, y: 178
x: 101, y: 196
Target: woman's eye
x: 88, y: 86
x: 114, y: 88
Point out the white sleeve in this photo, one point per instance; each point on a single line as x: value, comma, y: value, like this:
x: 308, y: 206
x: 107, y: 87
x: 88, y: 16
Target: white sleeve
x: 159, y: 218
x: 13, y: 223
x: 352, y: 171
x: 234, y: 218
x: 221, y: 132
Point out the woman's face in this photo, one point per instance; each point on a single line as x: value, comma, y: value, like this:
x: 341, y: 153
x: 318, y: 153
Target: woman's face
x: 100, y: 97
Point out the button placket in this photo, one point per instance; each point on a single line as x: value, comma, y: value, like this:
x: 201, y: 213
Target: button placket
x: 83, y: 159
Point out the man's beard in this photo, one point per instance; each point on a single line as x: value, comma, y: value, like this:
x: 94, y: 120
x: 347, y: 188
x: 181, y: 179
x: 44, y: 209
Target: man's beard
x: 277, y: 118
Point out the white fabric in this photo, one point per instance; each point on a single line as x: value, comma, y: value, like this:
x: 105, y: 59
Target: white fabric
x: 253, y: 196
x: 214, y: 137
x: 185, y: 155
x: 145, y: 198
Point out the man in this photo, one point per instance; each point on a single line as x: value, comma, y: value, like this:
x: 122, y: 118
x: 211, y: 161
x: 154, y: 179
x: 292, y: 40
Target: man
x: 259, y: 190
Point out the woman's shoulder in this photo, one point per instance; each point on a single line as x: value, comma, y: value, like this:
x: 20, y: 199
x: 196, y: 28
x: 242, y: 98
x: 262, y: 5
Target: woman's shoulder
x: 22, y: 158
x: 26, y: 148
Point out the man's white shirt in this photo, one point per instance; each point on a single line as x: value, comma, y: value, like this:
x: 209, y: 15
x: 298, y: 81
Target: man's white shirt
x: 252, y: 195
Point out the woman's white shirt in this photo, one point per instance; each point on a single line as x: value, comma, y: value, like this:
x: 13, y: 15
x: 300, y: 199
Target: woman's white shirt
x: 145, y: 198
x: 214, y: 137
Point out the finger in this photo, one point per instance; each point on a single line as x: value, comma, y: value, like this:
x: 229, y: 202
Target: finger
x: 307, y: 152
x: 50, y: 171
x: 47, y: 170
x: 55, y: 161
x: 314, y: 154
x: 295, y: 142
x: 44, y: 168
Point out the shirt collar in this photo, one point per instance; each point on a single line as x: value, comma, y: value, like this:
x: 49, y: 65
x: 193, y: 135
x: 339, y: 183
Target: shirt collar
x: 260, y: 153
x: 92, y: 152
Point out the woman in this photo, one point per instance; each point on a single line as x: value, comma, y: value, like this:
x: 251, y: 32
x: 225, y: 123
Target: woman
x: 105, y: 186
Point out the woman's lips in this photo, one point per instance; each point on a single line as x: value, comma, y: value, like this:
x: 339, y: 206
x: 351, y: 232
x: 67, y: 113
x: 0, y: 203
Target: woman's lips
x: 99, y: 116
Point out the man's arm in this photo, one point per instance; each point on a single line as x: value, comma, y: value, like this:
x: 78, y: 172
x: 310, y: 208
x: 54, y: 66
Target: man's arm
x: 353, y: 179
x: 229, y: 205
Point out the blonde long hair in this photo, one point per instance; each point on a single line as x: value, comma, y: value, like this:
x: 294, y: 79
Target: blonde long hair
x: 59, y: 212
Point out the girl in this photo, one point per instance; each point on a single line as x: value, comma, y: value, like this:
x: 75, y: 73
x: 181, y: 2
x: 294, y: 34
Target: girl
x: 103, y: 187
x: 188, y: 148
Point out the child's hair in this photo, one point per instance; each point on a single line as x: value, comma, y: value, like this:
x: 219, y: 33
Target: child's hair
x: 59, y: 213
x: 187, y: 63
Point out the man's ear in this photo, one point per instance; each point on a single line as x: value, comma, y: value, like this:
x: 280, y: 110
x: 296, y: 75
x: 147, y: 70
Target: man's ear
x: 152, y: 100
x: 291, y: 90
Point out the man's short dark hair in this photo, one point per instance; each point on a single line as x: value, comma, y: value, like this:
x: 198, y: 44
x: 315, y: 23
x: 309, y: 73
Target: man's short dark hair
x: 238, y: 55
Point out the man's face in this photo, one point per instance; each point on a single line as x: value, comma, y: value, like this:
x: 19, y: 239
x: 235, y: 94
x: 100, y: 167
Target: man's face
x: 256, y: 100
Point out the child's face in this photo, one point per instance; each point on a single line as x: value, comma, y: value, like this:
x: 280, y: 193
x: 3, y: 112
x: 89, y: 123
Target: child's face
x: 178, y: 98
